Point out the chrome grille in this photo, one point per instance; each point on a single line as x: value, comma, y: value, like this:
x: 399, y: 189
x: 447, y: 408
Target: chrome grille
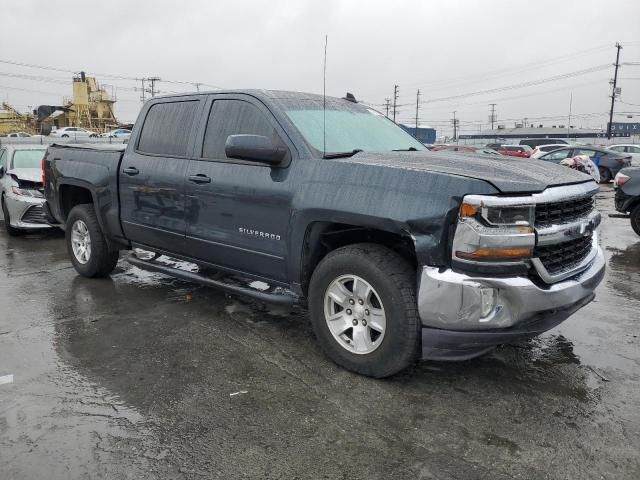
x: 563, y: 212
x: 34, y: 214
x: 564, y: 256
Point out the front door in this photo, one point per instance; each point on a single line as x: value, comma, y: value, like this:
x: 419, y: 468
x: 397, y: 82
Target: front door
x: 238, y: 211
x: 152, y: 176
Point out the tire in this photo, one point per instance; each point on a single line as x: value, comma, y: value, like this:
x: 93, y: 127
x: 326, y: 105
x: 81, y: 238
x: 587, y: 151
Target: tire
x: 635, y: 219
x: 82, y: 228
x: 605, y: 174
x: 12, y: 231
x: 65, y: 136
x: 391, y: 279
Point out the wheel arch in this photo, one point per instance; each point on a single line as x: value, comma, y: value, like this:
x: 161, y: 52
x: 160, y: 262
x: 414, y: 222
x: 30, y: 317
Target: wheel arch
x: 324, y: 236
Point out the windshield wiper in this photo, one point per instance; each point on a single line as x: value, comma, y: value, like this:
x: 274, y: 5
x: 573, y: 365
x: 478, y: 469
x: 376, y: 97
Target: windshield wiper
x: 410, y: 149
x: 342, y: 154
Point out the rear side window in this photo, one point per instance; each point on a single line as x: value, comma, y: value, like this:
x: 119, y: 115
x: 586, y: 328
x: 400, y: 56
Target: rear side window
x: 167, y: 128
x: 233, y: 117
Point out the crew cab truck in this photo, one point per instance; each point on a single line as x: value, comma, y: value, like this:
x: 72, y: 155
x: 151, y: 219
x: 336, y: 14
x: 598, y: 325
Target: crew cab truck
x: 398, y: 252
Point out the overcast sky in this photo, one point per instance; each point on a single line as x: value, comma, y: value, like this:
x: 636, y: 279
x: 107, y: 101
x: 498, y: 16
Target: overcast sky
x: 445, y: 48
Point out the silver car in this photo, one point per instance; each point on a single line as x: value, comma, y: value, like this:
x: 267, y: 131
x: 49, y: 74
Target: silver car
x: 21, y: 187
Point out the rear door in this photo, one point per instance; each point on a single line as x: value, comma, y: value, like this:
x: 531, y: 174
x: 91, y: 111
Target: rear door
x: 152, y: 174
x: 238, y: 211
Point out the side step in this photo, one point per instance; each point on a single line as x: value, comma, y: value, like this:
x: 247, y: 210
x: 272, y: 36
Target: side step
x: 288, y: 298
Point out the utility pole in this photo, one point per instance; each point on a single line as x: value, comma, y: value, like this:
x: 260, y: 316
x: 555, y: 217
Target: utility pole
x: 417, y: 109
x: 492, y: 116
x: 395, y: 102
x: 613, y: 91
x: 142, y: 97
x: 455, y: 126
x: 153, y: 81
x: 387, y: 105
x: 197, y: 85
x: 570, y: 105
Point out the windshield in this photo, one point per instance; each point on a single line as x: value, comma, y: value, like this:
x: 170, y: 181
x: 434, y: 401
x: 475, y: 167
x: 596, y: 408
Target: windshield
x: 27, y: 158
x: 348, y: 128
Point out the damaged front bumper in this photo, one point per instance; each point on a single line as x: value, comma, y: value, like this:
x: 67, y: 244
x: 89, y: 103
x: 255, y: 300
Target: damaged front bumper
x: 26, y: 212
x: 465, y: 316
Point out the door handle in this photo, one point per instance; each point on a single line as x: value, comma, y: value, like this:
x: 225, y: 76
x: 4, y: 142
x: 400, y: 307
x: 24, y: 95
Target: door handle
x: 131, y: 171
x: 199, y: 178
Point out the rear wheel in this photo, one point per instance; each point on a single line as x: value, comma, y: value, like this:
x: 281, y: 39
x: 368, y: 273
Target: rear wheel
x: 87, y: 245
x: 65, y: 136
x: 605, y: 174
x: 14, y: 232
x: 363, y: 309
x: 635, y: 219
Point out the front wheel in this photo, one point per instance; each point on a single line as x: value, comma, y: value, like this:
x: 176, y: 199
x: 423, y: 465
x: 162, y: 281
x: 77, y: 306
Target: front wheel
x: 362, y: 304
x: 87, y: 245
x: 635, y: 219
x: 65, y: 136
x: 605, y: 174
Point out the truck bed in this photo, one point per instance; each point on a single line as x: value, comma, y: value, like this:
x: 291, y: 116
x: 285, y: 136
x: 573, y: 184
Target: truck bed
x: 90, y: 166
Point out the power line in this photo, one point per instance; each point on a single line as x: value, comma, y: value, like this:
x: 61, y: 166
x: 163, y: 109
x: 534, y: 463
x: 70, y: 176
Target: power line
x: 522, y: 85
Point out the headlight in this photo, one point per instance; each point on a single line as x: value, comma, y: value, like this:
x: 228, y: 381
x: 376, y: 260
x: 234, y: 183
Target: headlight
x: 26, y: 192
x: 517, y: 215
x: 490, y: 232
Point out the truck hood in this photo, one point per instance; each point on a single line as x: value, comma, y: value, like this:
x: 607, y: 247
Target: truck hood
x: 507, y: 174
x: 26, y: 174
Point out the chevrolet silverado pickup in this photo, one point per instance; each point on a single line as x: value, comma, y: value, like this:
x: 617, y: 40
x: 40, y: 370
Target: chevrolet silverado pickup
x: 398, y: 252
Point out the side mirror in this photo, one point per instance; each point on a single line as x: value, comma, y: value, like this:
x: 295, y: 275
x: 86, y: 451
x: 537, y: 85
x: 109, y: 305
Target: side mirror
x: 254, y: 147
x: 1, y: 171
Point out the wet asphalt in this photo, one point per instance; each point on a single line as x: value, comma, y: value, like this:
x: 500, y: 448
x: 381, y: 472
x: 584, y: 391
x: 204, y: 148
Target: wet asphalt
x: 142, y: 376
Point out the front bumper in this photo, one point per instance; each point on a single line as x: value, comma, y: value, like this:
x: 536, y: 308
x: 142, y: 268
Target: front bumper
x: 22, y: 214
x: 449, y: 307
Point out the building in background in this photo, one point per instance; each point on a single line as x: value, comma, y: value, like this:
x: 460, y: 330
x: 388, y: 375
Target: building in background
x: 422, y: 134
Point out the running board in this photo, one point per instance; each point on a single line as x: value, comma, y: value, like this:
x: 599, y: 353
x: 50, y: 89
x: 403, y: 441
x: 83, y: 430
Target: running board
x: 286, y: 298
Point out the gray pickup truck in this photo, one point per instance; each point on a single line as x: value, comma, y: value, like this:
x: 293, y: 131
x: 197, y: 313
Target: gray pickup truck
x: 399, y: 253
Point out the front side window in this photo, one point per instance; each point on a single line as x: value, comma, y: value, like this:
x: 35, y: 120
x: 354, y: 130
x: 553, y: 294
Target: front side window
x: 167, y: 128
x: 346, y: 126
x: 27, y: 158
x: 233, y: 117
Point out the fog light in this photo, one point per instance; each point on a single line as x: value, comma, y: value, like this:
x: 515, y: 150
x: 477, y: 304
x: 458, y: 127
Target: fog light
x: 487, y: 301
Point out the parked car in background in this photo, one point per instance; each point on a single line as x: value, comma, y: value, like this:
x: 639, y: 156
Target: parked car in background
x: 21, y: 192
x: 466, y: 149
x: 400, y: 253
x: 609, y: 163
x: 73, y: 132
x: 542, y: 149
x: 523, y: 151
x: 536, y: 142
x: 19, y: 135
x: 627, y: 198
x: 117, y: 133
x: 632, y: 150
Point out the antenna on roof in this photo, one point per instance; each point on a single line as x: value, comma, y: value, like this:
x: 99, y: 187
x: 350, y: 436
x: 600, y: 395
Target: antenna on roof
x: 324, y: 99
